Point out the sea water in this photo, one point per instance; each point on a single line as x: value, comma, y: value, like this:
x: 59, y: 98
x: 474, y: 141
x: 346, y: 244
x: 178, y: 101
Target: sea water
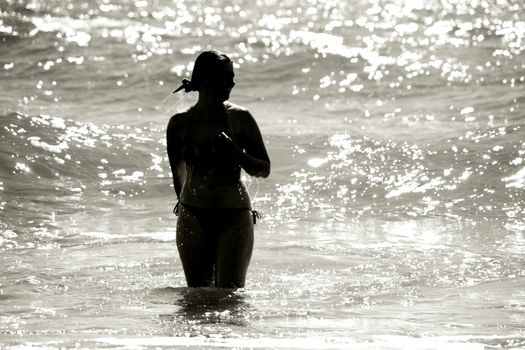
x: 394, y: 217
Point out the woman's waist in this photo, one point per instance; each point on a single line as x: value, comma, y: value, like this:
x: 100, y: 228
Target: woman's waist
x: 226, y: 174
x: 203, y: 194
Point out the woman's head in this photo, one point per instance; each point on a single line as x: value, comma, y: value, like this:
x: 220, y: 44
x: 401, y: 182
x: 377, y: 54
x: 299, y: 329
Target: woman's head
x: 212, y: 74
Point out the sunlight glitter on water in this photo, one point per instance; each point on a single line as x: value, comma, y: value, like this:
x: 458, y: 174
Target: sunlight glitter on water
x: 394, y: 214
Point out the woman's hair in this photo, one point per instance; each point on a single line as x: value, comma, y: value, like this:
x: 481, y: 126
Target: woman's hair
x: 207, y: 65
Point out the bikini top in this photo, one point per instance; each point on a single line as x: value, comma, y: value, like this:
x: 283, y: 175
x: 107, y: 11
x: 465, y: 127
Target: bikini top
x: 212, y: 154
x: 213, y: 166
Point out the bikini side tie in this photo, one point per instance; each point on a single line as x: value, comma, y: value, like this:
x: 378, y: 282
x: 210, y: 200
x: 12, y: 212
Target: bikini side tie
x: 255, y: 215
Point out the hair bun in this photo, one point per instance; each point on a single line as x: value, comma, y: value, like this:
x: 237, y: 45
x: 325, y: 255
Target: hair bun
x: 187, y: 85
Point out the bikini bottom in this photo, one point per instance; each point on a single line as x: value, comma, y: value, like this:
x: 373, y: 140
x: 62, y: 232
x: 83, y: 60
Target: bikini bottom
x: 199, y: 211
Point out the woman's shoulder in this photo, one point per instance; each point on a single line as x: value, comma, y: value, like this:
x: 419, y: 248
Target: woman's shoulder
x: 178, y: 120
x: 181, y: 116
x: 236, y: 109
x: 242, y: 123
x: 238, y: 113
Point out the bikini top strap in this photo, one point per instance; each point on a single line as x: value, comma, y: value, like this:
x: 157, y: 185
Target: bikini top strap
x: 226, y: 125
x: 228, y: 122
x: 189, y: 126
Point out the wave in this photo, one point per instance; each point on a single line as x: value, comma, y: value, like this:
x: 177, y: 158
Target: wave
x: 46, y: 147
x: 54, y: 167
x: 475, y: 176
x: 336, y: 176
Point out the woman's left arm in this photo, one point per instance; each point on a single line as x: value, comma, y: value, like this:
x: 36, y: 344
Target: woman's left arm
x: 174, y: 148
x: 251, y: 153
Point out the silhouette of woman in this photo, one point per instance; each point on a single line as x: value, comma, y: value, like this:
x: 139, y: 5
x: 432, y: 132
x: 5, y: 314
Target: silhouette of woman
x: 207, y: 147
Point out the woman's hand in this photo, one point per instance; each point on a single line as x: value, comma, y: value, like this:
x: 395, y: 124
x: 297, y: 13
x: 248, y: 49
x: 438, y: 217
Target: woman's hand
x: 223, y: 136
x: 252, y: 165
x: 231, y: 144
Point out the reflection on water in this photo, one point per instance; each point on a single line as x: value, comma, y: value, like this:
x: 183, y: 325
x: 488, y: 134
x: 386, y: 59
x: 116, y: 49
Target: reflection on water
x: 199, y: 308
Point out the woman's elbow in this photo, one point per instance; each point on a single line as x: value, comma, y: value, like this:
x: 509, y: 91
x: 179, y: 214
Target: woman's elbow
x: 264, y: 171
x: 263, y: 174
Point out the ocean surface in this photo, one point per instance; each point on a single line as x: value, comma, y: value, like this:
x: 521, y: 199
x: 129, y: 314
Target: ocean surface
x: 394, y: 217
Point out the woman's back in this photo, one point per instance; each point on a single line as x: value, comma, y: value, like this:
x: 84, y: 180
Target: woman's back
x: 213, y: 175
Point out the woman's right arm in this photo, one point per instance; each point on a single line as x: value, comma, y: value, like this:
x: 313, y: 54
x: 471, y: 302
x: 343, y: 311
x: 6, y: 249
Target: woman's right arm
x: 251, y: 152
x: 174, y: 147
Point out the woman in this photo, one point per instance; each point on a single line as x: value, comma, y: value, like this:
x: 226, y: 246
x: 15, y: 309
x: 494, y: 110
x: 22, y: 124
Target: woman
x: 207, y: 147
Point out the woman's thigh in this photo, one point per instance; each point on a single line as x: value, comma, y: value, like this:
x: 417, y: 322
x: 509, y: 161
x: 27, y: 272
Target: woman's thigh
x: 234, y: 248
x: 197, y: 248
